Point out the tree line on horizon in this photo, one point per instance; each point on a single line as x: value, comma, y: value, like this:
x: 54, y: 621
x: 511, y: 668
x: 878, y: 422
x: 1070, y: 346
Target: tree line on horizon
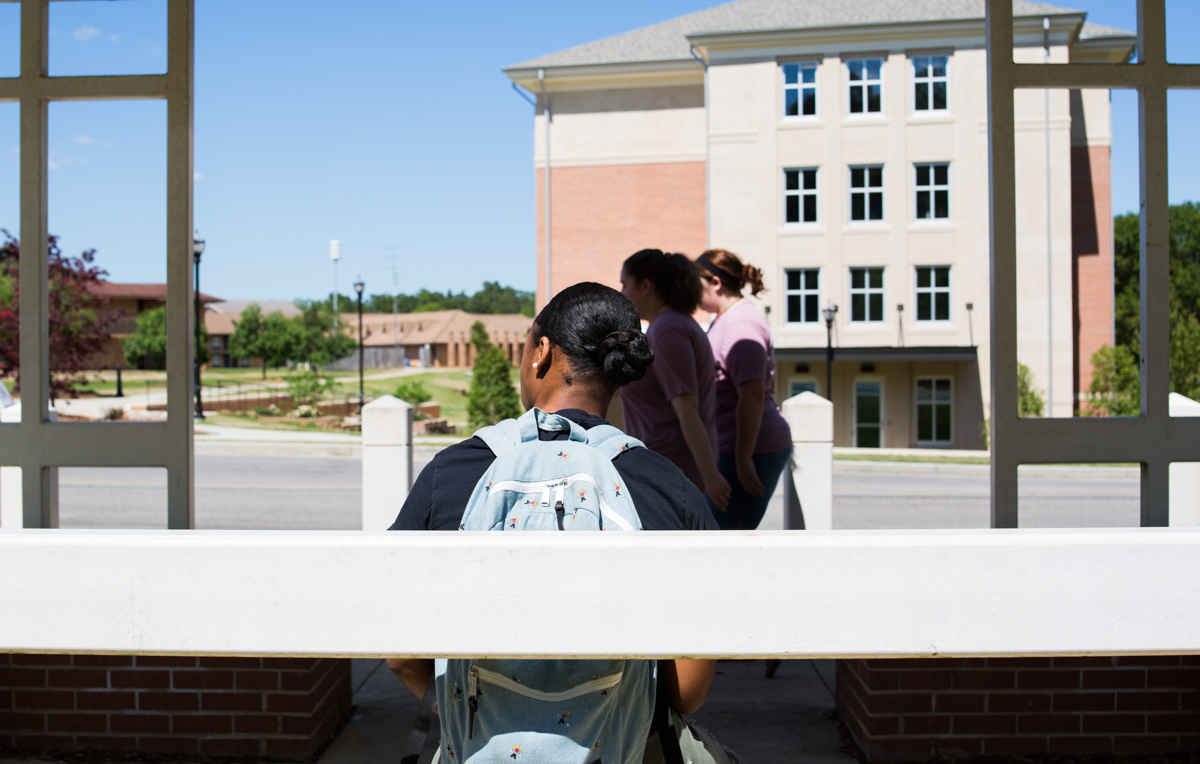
x: 492, y: 299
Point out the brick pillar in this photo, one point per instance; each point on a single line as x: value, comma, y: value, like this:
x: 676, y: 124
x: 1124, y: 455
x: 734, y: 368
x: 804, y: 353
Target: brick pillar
x: 912, y: 709
x: 284, y: 708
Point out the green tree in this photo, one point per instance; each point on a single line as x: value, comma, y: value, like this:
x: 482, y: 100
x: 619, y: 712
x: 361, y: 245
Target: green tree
x: 278, y: 341
x: 1115, y: 389
x: 1184, y: 258
x: 147, y: 346
x: 247, y: 335
x: 491, y: 299
x: 317, y: 342
x: 1029, y: 401
x: 413, y: 391
x: 492, y: 397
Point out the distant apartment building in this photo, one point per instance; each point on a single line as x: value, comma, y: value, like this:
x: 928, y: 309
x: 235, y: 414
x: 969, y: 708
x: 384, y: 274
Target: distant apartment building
x: 842, y: 147
x: 439, y: 339
x: 131, y: 300
x: 219, y: 319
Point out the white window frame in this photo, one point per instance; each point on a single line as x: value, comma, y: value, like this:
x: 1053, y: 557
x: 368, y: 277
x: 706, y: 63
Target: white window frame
x: 865, y: 84
x: 867, y: 292
x: 930, y: 80
x: 933, y: 291
x: 867, y: 191
x: 933, y: 189
x: 800, y: 87
x: 933, y: 403
x: 802, y: 195
x: 803, y: 293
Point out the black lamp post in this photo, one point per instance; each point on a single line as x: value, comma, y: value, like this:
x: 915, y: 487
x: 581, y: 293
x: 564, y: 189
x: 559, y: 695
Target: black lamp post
x: 197, y: 250
x: 358, y: 287
x: 829, y: 311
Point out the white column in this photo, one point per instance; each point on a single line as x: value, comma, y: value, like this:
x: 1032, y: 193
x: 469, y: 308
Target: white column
x: 808, y: 497
x: 1184, y: 476
x: 387, y: 460
x: 12, y: 494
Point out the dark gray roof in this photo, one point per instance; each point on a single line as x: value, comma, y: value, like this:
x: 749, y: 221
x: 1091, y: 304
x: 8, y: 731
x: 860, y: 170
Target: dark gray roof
x: 667, y: 41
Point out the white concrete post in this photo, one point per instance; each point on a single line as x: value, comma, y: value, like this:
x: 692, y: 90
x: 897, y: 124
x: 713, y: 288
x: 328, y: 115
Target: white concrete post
x: 12, y: 495
x: 387, y: 460
x: 1184, y: 500
x: 808, y: 483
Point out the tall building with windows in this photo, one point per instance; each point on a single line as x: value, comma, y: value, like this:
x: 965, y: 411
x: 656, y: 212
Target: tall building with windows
x: 842, y: 148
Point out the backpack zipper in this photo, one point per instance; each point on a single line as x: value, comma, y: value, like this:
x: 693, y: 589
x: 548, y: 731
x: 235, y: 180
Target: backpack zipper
x: 491, y: 677
x: 559, y: 511
x: 580, y: 477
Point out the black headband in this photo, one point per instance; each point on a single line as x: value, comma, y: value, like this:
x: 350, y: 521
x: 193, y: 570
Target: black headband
x: 718, y: 271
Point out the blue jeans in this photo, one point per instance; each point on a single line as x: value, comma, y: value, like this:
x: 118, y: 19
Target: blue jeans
x: 745, y: 512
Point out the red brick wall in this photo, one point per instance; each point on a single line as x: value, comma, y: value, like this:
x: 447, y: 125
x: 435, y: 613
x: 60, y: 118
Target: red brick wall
x: 1092, y: 256
x: 602, y: 215
x: 284, y: 708
x: 908, y: 709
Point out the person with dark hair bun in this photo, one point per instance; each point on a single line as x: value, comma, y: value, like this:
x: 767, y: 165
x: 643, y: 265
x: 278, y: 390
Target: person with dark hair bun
x: 754, y: 440
x: 586, y: 343
x: 673, y: 408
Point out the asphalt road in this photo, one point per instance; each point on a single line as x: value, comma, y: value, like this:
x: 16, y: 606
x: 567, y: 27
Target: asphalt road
x: 323, y: 493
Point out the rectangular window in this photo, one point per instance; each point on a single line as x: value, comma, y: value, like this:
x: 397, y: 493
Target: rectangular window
x: 866, y: 193
x: 929, y: 83
x: 934, y: 411
x: 866, y: 85
x: 866, y: 295
x: 801, y: 386
x: 933, y: 293
x: 800, y: 90
x: 933, y: 191
x: 803, y: 296
x: 800, y: 196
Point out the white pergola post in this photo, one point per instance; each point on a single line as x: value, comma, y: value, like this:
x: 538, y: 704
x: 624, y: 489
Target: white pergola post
x: 1154, y: 439
x: 387, y: 460
x: 808, y: 481
x: 38, y: 444
x: 1185, y: 476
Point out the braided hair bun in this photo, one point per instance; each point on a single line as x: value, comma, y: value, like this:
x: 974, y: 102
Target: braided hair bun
x: 598, y: 330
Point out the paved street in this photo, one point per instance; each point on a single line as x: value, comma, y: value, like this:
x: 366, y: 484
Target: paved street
x: 322, y: 492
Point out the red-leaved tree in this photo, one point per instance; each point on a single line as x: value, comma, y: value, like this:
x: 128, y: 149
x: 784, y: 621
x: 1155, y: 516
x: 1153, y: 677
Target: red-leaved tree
x: 78, y: 318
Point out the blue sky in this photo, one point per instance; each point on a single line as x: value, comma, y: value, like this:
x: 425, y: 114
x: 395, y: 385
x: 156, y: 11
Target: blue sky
x: 383, y: 124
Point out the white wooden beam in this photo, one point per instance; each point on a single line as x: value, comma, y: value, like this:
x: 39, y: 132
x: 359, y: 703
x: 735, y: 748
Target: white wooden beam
x: 785, y: 594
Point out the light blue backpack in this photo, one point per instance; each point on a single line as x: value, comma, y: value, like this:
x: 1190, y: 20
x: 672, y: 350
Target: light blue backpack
x: 560, y: 711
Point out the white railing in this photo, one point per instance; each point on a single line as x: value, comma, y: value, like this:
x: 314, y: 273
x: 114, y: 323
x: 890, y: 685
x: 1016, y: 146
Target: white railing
x: 776, y: 593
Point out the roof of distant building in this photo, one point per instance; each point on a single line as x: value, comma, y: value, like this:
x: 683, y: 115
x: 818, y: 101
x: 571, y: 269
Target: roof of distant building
x: 267, y: 307
x: 434, y: 327
x: 155, y: 292
x: 667, y: 41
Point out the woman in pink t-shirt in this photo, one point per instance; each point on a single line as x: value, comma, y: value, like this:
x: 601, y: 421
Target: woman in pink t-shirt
x: 753, y: 439
x: 672, y: 408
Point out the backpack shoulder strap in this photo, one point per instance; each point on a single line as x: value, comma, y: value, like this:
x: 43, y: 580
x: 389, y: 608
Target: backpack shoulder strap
x: 610, y: 441
x: 501, y: 437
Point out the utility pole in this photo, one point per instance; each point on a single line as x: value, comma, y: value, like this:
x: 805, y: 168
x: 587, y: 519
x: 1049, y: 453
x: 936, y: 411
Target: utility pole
x: 395, y: 301
x: 335, y: 254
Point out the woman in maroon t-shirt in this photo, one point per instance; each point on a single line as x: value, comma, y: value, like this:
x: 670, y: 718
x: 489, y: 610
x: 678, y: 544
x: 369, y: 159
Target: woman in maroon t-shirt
x: 754, y: 440
x: 672, y: 408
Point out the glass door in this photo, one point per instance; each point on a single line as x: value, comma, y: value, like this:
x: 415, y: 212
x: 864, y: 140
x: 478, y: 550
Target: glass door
x: 868, y: 414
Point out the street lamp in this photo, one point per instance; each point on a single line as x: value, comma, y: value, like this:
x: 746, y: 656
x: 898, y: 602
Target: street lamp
x: 197, y: 250
x: 358, y: 287
x: 829, y: 311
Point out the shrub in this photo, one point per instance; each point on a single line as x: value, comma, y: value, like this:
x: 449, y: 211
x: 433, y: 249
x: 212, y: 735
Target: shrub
x: 306, y: 387
x: 493, y: 397
x: 113, y: 414
x: 413, y: 391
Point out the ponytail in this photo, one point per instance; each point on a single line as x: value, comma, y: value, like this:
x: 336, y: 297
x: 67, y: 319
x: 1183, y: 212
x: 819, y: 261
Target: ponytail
x: 674, y: 277
x: 734, y: 273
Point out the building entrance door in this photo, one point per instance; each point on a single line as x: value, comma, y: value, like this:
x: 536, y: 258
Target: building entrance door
x: 868, y: 414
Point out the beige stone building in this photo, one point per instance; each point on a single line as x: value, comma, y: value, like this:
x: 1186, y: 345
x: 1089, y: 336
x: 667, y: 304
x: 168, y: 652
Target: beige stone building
x: 438, y: 338
x: 842, y: 148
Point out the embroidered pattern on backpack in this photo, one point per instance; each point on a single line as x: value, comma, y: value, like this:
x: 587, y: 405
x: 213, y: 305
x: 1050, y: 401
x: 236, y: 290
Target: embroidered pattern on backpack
x: 562, y: 718
x: 563, y: 455
x: 513, y: 521
x: 583, y: 494
x: 516, y: 751
x: 618, y: 487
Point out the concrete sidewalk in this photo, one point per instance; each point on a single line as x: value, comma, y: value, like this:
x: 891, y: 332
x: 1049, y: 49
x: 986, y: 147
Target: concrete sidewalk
x: 782, y: 720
